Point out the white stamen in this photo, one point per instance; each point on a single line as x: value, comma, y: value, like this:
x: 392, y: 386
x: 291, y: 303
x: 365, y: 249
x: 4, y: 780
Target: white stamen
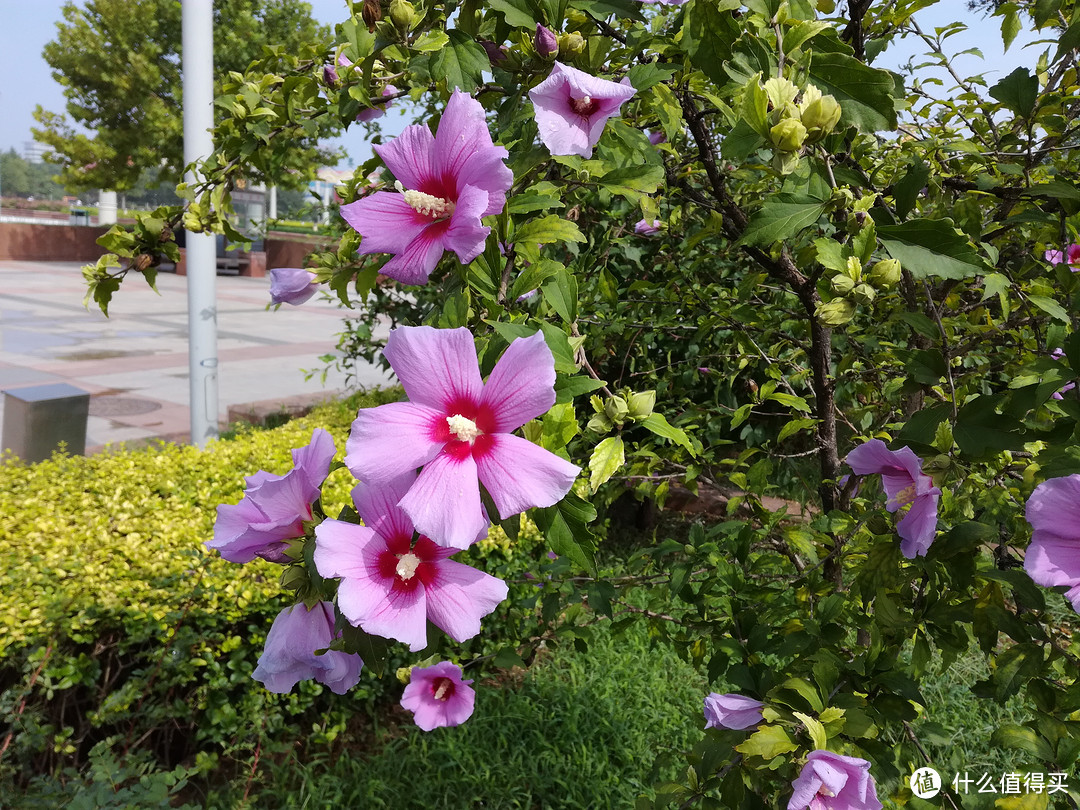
x: 905, y: 496
x: 465, y: 429
x: 428, y: 205
x: 443, y: 687
x: 407, y: 565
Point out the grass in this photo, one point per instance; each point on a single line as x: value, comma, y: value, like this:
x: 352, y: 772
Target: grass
x: 578, y: 730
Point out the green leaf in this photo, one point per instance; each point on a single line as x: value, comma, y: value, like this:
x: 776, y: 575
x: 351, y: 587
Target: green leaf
x: 549, y: 230
x: 533, y: 276
x: 755, y: 107
x: 373, y: 649
x: 1020, y: 738
x: 633, y: 181
x: 602, y: 9
x: 529, y: 202
x: 981, y: 430
x: 865, y: 94
x: 566, y: 388
x: 517, y: 13
x: 1050, y: 307
x: 642, y: 77
x: 767, y: 742
x: 559, y: 344
x: 658, y: 424
x: 907, y: 189
x: 781, y: 217
x: 814, y: 729
x: 460, y: 63
x: 831, y: 255
x: 1019, y: 91
x: 1010, y: 27
x: 559, y: 426
x: 740, y: 142
x: 667, y: 109
x: 607, y: 457
x: 931, y: 248
x: 922, y: 426
x: 708, y: 33
x: 801, y: 33
x: 562, y: 293
x: 566, y: 527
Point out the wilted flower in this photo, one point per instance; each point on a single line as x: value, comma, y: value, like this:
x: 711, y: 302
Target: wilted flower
x: 572, y: 108
x: 545, y: 42
x: 392, y: 587
x: 1071, y: 257
x: 1053, y: 557
x: 731, y: 711
x: 904, y: 483
x: 831, y: 781
x: 291, y: 285
x: 289, y: 655
x: 446, y: 183
x: 459, y: 429
x: 274, y: 507
x: 645, y: 228
x: 437, y: 696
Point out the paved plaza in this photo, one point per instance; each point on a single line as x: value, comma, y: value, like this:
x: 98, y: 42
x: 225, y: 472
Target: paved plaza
x: 134, y: 363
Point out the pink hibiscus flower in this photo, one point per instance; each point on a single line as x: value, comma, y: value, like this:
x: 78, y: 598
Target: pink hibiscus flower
x: 289, y: 655
x: 446, y: 183
x: 1071, y: 257
x: 572, y: 108
x: 459, y: 430
x: 391, y: 586
x: 437, y: 696
x: 732, y: 711
x: 905, y: 483
x: 1053, y: 557
x: 831, y: 781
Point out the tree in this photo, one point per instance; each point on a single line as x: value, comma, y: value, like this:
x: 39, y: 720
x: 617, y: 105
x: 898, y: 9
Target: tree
x: 119, y: 63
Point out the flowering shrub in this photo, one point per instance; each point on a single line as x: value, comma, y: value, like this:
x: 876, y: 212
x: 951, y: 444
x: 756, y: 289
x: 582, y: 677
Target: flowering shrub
x: 822, y: 303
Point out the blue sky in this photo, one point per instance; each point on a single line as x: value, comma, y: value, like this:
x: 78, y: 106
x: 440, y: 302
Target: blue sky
x: 27, y: 25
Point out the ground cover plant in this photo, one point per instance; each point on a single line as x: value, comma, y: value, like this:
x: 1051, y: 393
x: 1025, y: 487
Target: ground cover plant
x: 712, y: 245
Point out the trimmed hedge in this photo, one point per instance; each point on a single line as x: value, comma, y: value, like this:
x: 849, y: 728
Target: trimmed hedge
x: 119, y: 626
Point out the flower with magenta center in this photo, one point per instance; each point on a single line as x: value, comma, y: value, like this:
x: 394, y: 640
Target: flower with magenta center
x: 904, y: 483
x: 1070, y: 256
x: 731, y: 711
x: 1053, y: 557
x: 831, y: 781
x: 437, y: 696
x: 446, y: 183
x: 289, y: 655
x: 391, y: 586
x: 274, y: 507
x: 291, y: 285
x: 459, y: 429
x: 572, y: 108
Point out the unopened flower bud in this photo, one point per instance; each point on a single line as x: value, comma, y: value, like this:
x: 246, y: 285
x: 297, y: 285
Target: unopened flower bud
x: 572, y: 43
x: 820, y: 117
x: 496, y: 53
x: 836, y: 312
x: 371, y: 13
x: 885, y: 273
x: 329, y: 76
x: 788, y: 136
x: 402, y: 15
x: 841, y: 284
x: 545, y: 42
x: 616, y: 409
x: 863, y: 294
x: 599, y: 424
x: 641, y: 405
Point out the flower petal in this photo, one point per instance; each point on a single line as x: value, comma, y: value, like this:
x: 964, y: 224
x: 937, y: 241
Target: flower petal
x: 522, y: 384
x: 312, y: 461
x: 419, y: 258
x: 919, y: 526
x: 390, y: 440
x: 466, y: 234
x: 520, y: 475
x: 462, y: 132
x: 1054, y: 507
x: 486, y: 170
x: 460, y: 596
x: 1052, y: 561
x: 378, y: 506
x: 436, y: 367
x: 344, y: 549
x: 444, y: 503
x: 387, y: 223
x: 410, y: 156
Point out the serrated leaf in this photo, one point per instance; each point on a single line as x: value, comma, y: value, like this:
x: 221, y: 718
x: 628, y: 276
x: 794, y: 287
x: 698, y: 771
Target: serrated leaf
x: 460, y: 63
x: 517, y: 13
x: 562, y: 293
x: 1050, y: 307
x: 658, y: 424
x: 633, y: 181
x: 865, y: 94
x: 566, y: 527
x: 549, y: 230
x: 708, y: 33
x: 767, y: 742
x: 607, y: 457
x: 931, y: 248
x: 559, y: 426
x: 814, y: 729
x: 566, y: 388
x: 781, y: 217
x: 1019, y: 91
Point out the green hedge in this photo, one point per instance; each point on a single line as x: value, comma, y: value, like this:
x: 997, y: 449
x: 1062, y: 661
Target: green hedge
x: 117, y: 625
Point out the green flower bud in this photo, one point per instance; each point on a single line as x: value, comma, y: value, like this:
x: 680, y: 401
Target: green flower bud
x: 402, y: 14
x: 616, y: 409
x: 820, y: 117
x: 572, y: 43
x: 788, y: 136
x: 641, y: 405
x: 836, y: 312
x: 841, y: 284
x: 885, y: 273
x: 599, y: 424
x: 863, y: 294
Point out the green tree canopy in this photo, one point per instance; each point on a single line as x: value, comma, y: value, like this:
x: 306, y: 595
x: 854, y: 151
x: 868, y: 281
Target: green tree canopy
x: 119, y: 63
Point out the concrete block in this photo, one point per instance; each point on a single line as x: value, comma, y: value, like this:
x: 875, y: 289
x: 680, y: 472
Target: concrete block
x: 38, y: 418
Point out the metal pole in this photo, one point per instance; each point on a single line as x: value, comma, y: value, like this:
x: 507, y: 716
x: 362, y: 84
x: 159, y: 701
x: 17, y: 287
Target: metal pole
x: 197, y: 41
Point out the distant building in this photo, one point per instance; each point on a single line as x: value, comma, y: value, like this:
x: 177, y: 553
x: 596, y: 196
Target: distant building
x: 33, y: 152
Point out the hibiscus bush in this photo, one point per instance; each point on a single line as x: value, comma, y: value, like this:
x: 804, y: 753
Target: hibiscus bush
x: 714, y: 246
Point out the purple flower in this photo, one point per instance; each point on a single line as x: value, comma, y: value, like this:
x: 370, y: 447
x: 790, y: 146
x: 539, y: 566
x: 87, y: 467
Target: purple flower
x: 496, y: 54
x: 377, y: 110
x: 1053, y: 557
x: 291, y: 285
x: 905, y: 483
x: 1057, y: 354
x: 446, y: 183
x: 392, y: 587
x: 831, y: 781
x: 289, y: 655
x: 274, y: 507
x: 731, y: 711
x: 330, y: 75
x: 572, y: 108
x: 644, y: 228
x: 656, y: 138
x: 1071, y: 257
x: 460, y: 430
x: 545, y: 42
x: 437, y: 696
